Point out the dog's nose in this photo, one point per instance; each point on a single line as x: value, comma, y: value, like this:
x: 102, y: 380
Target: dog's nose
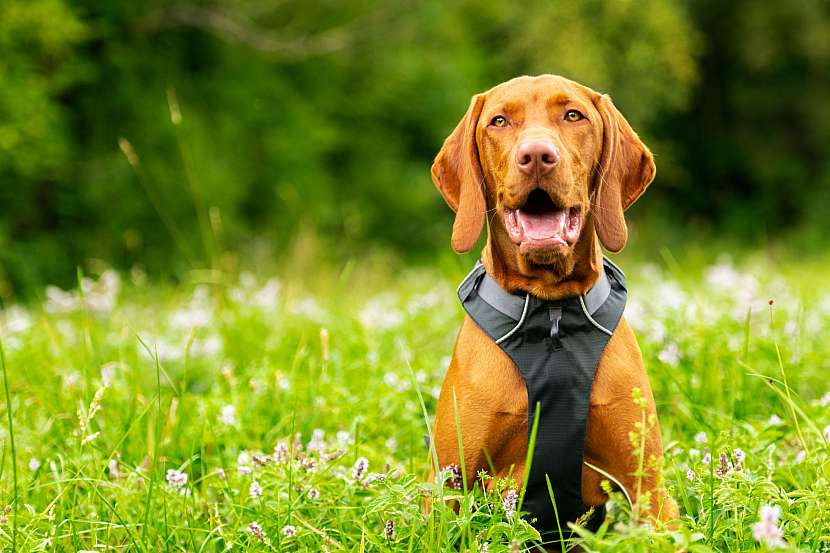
x: 537, y: 157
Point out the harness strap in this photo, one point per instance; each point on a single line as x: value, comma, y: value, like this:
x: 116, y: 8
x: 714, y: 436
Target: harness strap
x: 513, y: 306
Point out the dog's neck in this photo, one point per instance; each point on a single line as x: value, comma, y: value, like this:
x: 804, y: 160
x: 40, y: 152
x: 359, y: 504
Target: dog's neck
x: 501, y: 264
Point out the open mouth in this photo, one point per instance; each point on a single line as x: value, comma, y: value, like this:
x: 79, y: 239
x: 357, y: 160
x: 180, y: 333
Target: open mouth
x: 540, y: 223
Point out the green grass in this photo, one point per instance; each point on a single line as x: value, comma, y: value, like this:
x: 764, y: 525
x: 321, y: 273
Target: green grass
x: 109, y: 390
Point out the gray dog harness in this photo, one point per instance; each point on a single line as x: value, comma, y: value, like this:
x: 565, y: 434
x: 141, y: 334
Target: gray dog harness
x: 556, y: 346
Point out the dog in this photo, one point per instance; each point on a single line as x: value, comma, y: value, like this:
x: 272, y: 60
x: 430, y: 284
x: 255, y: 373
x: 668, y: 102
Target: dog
x: 549, y: 165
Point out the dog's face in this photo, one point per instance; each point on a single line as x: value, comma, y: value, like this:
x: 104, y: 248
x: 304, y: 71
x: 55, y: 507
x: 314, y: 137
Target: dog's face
x: 538, y: 142
x: 549, y: 160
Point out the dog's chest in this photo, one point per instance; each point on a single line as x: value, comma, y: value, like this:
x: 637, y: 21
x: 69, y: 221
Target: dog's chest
x: 556, y: 347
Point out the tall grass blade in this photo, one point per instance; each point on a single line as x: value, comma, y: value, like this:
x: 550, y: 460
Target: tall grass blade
x: 11, y: 440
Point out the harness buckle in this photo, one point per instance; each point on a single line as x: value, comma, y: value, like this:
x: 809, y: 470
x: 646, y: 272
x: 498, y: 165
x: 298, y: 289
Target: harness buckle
x: 555, y: 313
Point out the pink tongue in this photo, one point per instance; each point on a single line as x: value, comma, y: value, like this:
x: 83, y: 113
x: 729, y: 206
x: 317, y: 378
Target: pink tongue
x: 542, y: 226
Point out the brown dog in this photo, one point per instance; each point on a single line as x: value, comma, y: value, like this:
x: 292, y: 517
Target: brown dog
x: 552, y: 165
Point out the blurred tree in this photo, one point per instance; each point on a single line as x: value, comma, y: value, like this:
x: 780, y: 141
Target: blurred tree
x: 324, y: 116
x: 37, y: 40
x: 754, y: 140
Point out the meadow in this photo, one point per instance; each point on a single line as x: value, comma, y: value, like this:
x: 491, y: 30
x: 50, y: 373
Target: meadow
x: 288, y: 413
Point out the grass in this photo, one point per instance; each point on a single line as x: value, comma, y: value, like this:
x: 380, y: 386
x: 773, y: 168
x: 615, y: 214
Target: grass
x: 289, y: 415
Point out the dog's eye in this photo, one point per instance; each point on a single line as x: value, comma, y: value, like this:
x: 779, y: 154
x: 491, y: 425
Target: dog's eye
x: 498, y: 121
x: 573, y: 116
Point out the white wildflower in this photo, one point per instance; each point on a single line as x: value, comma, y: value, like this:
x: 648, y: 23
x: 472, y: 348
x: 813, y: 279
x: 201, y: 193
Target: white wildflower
x: 34, y: 464
x: 766, y: 530
x: 228, y: 415
x: 17, y: 320
x: 100, y: 296
x: 725, y: 278
x: 381, y: 313
x: 701, y: 438
x: 176, y: 479
x: 670, y: 355
x: 317, y: 442
x: 267, y: 297
x: 289, y: 531
x: 255, y: 490
x: 243, y: 462
x: 669, y: 296
x: 309, y: 308
x: 210, y: 346
x: 59, y: 301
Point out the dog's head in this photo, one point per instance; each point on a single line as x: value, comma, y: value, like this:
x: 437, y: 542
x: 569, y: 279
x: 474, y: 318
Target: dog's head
x: 548, y: 161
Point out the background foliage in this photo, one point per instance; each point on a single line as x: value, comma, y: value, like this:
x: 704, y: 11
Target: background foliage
x: 322, y: 118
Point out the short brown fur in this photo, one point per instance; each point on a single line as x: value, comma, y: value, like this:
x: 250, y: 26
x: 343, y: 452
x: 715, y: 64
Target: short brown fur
x: 603, y: 169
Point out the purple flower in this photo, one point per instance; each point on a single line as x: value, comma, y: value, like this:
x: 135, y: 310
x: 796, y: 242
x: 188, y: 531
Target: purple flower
x: 176, y: 479
x: 766, y: 530
x: 389, y: 530
x: 256, y: 530
x: 451, y: 474
x: 255, y: 490
x: 112, y: 468
x: 670, y: 355
x: 281, y: 453
x: 509, y: 502
x: 359, y: 469
x: 724, y: 466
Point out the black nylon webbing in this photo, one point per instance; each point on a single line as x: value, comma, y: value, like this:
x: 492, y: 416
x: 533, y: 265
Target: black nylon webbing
x: 556, y: 348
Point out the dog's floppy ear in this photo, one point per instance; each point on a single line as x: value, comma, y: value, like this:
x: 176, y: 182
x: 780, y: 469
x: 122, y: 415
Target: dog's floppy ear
x: 456, y: 172
x: 625, y: 170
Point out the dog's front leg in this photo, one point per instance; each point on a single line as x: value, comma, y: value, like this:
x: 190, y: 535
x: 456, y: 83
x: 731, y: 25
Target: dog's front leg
x: 483, y: 399
x: 613, y: 415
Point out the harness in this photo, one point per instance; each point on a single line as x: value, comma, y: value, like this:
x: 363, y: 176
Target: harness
x: 556, y: 345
